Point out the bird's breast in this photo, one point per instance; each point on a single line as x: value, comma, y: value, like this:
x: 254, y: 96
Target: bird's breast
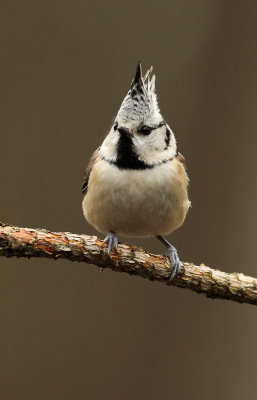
x: 136, y: 202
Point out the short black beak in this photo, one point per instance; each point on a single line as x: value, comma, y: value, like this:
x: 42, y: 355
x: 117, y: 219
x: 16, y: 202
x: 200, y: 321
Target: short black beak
x: 124, y: 131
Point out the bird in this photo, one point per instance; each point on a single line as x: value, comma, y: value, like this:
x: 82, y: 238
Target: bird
x: 136, y: 182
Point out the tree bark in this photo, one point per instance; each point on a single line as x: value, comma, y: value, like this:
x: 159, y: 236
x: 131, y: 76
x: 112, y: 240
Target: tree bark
x: 24, y: 242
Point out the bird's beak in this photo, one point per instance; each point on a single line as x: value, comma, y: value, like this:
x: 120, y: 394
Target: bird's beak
x: 124, y: 131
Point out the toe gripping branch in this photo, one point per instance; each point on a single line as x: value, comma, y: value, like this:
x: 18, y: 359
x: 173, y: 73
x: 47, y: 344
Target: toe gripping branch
x: 173, y: 256
x: 112, y: 241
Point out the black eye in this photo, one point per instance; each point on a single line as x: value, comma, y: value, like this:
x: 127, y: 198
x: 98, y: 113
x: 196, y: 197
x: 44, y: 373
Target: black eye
x: 145, y: 130
x: 115, y: 126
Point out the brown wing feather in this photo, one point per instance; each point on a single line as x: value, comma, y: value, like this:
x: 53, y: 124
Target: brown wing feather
x: 181, y: 158
x: 88, y: 171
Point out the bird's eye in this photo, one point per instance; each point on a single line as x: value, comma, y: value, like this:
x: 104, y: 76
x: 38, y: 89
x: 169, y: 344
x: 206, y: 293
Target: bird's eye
x: 115, y: 126
x: 145, y: 130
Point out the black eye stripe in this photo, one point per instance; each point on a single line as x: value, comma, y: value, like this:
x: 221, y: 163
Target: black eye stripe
x: 150, y: 129
x: 115, y: 126
x: 145, y: 130
x: 161, y: 124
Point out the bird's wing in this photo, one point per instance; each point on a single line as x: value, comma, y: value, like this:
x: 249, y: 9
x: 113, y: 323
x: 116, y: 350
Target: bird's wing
x: 88, y: 170
x: 181, y: 158
x: 181, y: 169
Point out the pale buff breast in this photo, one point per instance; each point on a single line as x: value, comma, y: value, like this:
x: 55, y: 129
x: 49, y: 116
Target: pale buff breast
x: 137, y: 203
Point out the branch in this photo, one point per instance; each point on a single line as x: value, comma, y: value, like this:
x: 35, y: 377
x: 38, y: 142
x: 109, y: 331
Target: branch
x: 24, y: 242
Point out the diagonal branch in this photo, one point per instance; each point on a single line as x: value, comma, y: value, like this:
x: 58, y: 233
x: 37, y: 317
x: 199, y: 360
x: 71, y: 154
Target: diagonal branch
x: 24, y: 242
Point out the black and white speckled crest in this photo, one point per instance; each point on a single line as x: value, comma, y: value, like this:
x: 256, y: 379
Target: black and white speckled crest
x: 140, y: 104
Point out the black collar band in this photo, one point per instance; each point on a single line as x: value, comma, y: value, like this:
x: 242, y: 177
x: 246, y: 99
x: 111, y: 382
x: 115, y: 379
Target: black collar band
x: 136, y: 164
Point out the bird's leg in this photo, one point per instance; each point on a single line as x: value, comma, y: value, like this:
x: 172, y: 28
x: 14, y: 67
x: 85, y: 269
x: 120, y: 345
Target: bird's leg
x: 173, y: 256
x: 112, y: 241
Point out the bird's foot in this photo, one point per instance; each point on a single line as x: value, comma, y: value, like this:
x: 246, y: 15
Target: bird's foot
x: 112, y: 241
x: 175, y: 262
x: 173, y: 256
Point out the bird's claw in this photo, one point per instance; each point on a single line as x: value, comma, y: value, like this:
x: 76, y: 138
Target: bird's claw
x: 175, y: 263
x: 112, y: 241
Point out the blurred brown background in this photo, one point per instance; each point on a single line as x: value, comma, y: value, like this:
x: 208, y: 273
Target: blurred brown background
x: 68, y: 331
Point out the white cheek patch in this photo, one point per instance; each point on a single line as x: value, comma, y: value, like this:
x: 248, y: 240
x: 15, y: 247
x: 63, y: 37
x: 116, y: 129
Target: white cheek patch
x: 108, y: 149
x: 153, y: 149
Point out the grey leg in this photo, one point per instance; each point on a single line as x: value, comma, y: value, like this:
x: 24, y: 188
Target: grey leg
x: 173, y: 256
x: 112, y: 241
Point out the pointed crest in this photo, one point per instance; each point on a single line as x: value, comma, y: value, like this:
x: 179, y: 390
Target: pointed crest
x: 138, y: 79
x: 140, y: 104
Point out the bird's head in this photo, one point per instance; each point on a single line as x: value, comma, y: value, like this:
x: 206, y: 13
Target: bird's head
x: 139, y: 131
